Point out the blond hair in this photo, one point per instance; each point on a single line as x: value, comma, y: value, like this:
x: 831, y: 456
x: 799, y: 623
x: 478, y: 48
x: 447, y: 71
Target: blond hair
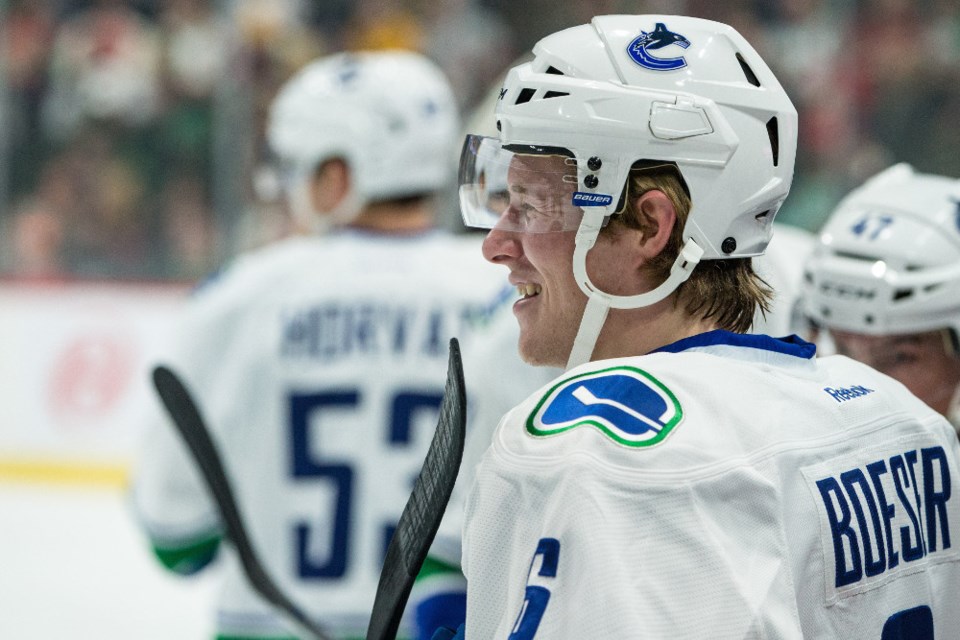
x: 728, y: 291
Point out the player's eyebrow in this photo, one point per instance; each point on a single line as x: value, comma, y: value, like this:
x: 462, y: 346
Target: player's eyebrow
x: 518, y: 188
x: 896, y: 341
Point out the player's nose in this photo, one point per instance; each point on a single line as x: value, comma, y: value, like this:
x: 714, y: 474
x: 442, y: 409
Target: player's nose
x: 501, y: 244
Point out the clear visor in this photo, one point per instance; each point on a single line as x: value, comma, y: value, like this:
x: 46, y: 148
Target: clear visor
x: 528, y: 189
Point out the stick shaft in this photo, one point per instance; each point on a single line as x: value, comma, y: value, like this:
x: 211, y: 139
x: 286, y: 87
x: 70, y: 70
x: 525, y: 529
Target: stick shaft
x: 186, y: 416
x: 421, y: 516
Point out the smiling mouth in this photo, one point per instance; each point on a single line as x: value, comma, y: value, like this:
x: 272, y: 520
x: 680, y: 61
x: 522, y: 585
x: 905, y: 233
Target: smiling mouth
x: 528, y: 290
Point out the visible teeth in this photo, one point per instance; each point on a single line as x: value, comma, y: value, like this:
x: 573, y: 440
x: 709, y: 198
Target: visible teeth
x: 528, y: 290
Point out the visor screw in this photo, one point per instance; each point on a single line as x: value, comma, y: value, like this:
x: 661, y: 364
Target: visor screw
x: 594, y: 163
x: 729, y: 245
x: 591, y: 181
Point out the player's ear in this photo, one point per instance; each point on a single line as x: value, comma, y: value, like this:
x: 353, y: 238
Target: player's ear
x: 658, y: 216
x: 329, y: 185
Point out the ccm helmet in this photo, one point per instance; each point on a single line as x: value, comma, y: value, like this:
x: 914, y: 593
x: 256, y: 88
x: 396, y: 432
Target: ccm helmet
x: 390, y: 115
x: 676, y: 89
x: 888, y: 258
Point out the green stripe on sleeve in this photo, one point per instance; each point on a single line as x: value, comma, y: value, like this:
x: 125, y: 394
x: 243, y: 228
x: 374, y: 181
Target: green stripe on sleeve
x: 191, y: 558
x: 433, y: 567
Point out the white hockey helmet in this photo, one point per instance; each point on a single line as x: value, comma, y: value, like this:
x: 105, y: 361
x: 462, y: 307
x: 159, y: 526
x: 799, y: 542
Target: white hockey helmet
x: 888, y: 258
x: 652, y: 87
x: 390, y: 115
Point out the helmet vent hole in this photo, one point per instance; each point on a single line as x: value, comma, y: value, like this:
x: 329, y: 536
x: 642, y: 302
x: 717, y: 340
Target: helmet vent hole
x: 555, y: 94
x: 773, y: 130
x: 932, y: 287
x: 747, y: 71
x: 868, y: 319
x: 901, y: 294
x: 525, y: 96
x: 554, y: 71
x: 855, y: 256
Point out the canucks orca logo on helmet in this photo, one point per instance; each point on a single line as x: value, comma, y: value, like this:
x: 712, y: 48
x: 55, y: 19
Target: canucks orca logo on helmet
x: 626, y: 404
x: 659, y: 38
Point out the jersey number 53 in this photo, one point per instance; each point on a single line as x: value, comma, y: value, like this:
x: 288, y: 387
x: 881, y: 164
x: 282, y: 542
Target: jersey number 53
x: 306, y: 464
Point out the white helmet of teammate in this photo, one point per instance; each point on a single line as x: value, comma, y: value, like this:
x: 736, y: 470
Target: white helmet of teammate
x: 626, y: 88
x: 888, y: 259
x: 390, y: 115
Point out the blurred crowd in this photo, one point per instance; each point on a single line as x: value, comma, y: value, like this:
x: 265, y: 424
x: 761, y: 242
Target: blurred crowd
x: 131, y: 132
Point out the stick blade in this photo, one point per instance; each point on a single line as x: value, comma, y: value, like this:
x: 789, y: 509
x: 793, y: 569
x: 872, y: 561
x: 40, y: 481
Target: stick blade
x: 425, y: 507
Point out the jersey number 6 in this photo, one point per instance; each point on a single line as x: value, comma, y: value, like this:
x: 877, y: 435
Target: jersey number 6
x: 536, y: 595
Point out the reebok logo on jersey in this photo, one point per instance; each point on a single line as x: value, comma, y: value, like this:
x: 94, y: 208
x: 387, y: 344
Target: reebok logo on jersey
x: 626, y: 404
x: 847, y: 393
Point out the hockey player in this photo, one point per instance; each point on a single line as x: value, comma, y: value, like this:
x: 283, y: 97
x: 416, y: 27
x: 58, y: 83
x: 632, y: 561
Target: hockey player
x: 683, y: 479
x: 441, y: 591
x: 319, y: 361
x: 884, y: 282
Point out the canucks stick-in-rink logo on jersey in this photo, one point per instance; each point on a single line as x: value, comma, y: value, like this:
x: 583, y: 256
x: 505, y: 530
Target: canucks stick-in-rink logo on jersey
x: 626, y: 404
x: 659, y: 38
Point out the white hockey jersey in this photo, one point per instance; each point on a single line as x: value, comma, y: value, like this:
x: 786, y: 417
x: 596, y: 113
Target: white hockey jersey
x: 319, y: 363
x: 726, y: 487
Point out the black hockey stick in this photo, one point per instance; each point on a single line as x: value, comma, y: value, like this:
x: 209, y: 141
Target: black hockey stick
x: 421, y: 517
x: 186, y: 416
x: 414, y: 533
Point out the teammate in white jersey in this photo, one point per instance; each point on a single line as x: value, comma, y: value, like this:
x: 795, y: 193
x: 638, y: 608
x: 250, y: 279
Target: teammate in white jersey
x: 319, y: 361
x: 683, y: 479
x: 884, y: 282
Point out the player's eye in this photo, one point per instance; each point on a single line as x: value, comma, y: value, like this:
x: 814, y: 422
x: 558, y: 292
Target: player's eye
x: 532, y: 211
x: 898, y: 358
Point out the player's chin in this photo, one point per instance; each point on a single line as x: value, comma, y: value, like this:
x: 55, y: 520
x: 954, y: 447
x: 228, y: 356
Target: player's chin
x: 540, y: 350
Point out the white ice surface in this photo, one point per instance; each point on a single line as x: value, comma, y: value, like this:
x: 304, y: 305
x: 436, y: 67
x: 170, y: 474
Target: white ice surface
x: 73, y: 564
